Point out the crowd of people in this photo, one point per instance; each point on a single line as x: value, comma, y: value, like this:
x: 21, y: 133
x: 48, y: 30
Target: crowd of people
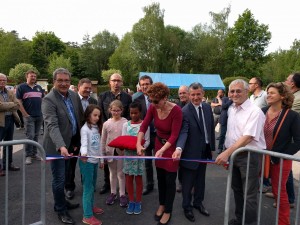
x: 76, y: 124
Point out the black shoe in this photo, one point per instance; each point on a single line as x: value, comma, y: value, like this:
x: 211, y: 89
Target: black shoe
x: 189, y: 215
x: 234, y: 222
x: 105, y: 188
x: 11, y: 167
x: 65, y: 217
x: 71, y: 206
x: 147, y: 191
x: 160, y: 223
x: 202, y: 209
x: 158, y: 217
x: 70, y: 194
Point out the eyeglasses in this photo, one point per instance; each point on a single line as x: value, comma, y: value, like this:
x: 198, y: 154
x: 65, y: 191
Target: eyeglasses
x: 116, y: 111
x: 3, y: 80
x: 116, y: 81
x: 154, y: 101
x: 238, y: 91
x: 63, y: 81
x: 252, y: 83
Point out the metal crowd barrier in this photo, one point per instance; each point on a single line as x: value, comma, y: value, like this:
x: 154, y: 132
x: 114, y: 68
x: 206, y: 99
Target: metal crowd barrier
x: 43, y: 183
x: 229, y: 180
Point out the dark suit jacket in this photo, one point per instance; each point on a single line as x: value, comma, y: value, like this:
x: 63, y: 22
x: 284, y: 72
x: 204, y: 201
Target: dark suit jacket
x: 93, y: 101
x: 105, y: 98
x: 288, y: 139
x: 191, y: 138
x: 58, y: 126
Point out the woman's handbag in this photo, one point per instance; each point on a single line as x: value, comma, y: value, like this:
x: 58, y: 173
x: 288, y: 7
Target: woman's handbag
x: 267, y: 157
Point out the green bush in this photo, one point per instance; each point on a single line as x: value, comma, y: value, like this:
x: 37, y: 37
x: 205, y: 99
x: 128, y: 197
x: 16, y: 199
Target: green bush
x: 17, y: 74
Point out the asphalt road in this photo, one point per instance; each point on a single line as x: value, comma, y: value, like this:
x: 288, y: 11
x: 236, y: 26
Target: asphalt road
x: 115, y: 215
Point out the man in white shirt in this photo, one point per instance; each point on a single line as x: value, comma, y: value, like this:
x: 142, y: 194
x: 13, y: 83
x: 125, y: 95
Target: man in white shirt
x: 244, y: 129
x: 259, y: 96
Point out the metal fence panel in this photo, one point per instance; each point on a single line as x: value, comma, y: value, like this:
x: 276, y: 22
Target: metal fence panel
x: 43, y: 181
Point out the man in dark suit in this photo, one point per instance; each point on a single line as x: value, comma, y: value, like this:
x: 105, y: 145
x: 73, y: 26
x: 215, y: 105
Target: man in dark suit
x: 63, y: 117
x: 144, y: 83
x: 196, y: 141
x: 84, y: 91
x: 105, y: 98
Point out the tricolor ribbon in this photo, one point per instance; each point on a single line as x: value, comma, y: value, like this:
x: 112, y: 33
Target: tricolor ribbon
x: 207, y: 161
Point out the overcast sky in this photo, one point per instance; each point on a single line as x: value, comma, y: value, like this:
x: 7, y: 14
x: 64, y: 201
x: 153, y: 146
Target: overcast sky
x: 70, y: 20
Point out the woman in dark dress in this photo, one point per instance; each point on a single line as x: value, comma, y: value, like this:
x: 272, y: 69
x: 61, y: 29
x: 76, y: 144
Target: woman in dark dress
x: 167, y: 118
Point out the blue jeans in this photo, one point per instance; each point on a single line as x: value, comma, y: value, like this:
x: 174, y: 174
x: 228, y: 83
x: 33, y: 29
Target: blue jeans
x: 6, y: 134
x: 58, y: 168
x: 89, y: 178
x: 32, y: 130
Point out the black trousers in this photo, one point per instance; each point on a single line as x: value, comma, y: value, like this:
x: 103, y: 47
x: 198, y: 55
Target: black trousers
x: 149, y: 163
x: 166, y: 188
x: 193, y: 179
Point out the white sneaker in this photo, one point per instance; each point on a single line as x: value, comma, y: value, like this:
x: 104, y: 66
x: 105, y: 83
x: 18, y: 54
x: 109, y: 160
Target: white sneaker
x: 28, y: 160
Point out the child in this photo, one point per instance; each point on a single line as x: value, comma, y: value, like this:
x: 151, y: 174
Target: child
x: 112, y: 128
x: 90, y: 146
x: 133, y: 168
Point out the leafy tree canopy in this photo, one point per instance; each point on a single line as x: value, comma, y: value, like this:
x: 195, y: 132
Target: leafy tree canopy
x: 17, y: 74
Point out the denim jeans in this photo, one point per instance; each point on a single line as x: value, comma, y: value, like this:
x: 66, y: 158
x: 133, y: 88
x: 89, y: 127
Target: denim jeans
x: 58, y: 168
x: 89, y: 178
x: 32, y: 130
x: 6, y: 134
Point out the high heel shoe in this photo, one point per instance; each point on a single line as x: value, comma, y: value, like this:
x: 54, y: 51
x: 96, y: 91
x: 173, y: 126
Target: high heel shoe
x: 160, y: 223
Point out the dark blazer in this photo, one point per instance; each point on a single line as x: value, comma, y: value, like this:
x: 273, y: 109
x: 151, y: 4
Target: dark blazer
x: 226, y: 102
x: 105, y: 98
x: 288, y: 139
x: 93, y: 101
x: 191, y: 138
x: 58, y: 126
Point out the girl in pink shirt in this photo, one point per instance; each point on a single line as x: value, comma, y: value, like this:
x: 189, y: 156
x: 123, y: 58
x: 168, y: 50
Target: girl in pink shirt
x: 112, y: 128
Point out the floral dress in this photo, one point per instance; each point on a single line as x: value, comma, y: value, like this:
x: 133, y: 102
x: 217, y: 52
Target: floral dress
x: 133, y: 166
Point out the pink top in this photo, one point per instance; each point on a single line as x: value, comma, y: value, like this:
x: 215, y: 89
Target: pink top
x: 111, y: 130
x: 167, y: 128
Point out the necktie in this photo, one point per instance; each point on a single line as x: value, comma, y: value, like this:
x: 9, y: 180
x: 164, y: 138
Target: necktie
x: 202, y: 120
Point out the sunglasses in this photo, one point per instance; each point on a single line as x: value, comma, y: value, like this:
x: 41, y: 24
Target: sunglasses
x: 155, y: 101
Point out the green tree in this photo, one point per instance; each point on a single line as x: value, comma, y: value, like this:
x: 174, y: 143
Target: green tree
x: 12, y: 50
x: 56, y: 61
x: 246, y: 45
x: 148, y: 36
x: 125, y: 59
x: 103, y: 44
x: 44, y: 44
x: 174, y: 48
x: 106, y: 74
x: 73, y: 52
x: 17, y: 74
x: 282, y: 63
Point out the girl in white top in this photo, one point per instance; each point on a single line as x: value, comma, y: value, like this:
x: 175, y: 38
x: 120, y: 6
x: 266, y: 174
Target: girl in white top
x: 112, y: 129
x: 90, y: 146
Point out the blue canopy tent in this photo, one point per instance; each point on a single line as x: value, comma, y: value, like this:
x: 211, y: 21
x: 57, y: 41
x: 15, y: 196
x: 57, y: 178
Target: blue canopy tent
x: 175, y: 80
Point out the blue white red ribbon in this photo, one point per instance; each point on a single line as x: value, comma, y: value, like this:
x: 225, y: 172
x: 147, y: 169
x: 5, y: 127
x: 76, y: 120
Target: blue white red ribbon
x: 54, y: 157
